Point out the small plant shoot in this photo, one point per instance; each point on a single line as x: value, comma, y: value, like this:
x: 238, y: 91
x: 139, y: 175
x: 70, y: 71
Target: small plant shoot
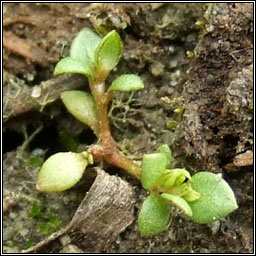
x: 204, y: 197
x: 94, y: 57
x: 108, y: 53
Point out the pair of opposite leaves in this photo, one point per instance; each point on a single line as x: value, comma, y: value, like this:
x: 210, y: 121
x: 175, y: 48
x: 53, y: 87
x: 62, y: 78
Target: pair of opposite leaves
x: 94, y: 57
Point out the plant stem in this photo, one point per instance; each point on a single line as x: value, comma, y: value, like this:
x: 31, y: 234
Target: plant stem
x: 107, y: 149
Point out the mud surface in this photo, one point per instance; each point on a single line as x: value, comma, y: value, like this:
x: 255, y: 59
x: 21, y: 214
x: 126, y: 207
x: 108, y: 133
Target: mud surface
x: 196, y: 63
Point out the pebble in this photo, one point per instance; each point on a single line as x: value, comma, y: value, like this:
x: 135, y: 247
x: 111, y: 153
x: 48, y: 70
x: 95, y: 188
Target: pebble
x: 244, y: 159
x: 36, y: 92
x: 71, y: 248
x: 12, y: 215
x: 157, y: 69
x: 23, y: 232
x: 172, y: 49
x: 173, y: 64
x: 65, y: 240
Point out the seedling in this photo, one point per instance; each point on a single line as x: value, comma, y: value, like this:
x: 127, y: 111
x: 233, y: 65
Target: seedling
x: 204, y: 197
x: 93, y: 57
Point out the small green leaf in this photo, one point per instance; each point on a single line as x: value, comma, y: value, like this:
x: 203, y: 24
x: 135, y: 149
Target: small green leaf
x: 69, y: 65
x: 61, y: 171
x: 183, y: 190
x: 191, y: 195
x: 179, y: 110
x: 108, y: 53
x: 153, y: 166
x: 127, y: 83
x: 67, y: 140
x: 217, y: 198
x: 81, y: 105
x: 154, y: 216
x: 179, y: 202
x: 171, y: 178
x: 84, y: 45
x: 165, y: 149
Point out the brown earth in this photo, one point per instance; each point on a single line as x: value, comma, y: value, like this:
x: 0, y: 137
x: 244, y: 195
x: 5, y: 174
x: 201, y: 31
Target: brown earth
x: 205, y: 70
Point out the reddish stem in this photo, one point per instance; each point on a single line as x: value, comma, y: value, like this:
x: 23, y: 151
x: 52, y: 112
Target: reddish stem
x: 107, y: 149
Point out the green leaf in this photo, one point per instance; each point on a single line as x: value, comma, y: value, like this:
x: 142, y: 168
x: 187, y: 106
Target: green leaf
x: 108, y: 53
x: 127, y: 83
x: 61, y: 171
x: 153, y: 166
x: 67, y: 140
x: 69, y: 65
x: 217, y: 198
x: 191, y: 194
x: 179, y: 202
x: 84, y: 45
x: 165, y: 149
x: 183, y: 190
x: 171, y: 178
x: 81, y: 105
x: 154, y: 216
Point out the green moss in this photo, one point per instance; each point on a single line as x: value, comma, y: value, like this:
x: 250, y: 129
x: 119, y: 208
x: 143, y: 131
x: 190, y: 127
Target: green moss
x: 35, y: 211
x: 210, y: 79
x: 54, y: 222
x: 35, y: 161
x: 44, y: 228
x: 172, y: 124
x: 29, y: 243
x: 50, y: 224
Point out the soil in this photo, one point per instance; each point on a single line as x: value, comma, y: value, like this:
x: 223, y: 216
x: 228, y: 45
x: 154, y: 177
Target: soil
x: 196, y: 61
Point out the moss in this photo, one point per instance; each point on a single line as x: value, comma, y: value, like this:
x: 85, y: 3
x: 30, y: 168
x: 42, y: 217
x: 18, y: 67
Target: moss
x: 172, y: 124
x: 22, y: 223
x: 36, y: 211
x: 35, y: 161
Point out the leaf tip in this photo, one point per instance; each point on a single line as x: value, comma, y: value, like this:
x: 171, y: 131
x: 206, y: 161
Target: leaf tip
x: 38, y: 187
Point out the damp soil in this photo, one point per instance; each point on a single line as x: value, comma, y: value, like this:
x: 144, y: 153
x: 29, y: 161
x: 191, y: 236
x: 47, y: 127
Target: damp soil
x: 196, y: 64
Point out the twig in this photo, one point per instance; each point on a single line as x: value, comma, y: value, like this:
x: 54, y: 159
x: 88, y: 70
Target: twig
x: 49, y: 239
x: 30, y: 138
x: 25, y: 48
x: 20, y: 98
x: 22, y: 19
